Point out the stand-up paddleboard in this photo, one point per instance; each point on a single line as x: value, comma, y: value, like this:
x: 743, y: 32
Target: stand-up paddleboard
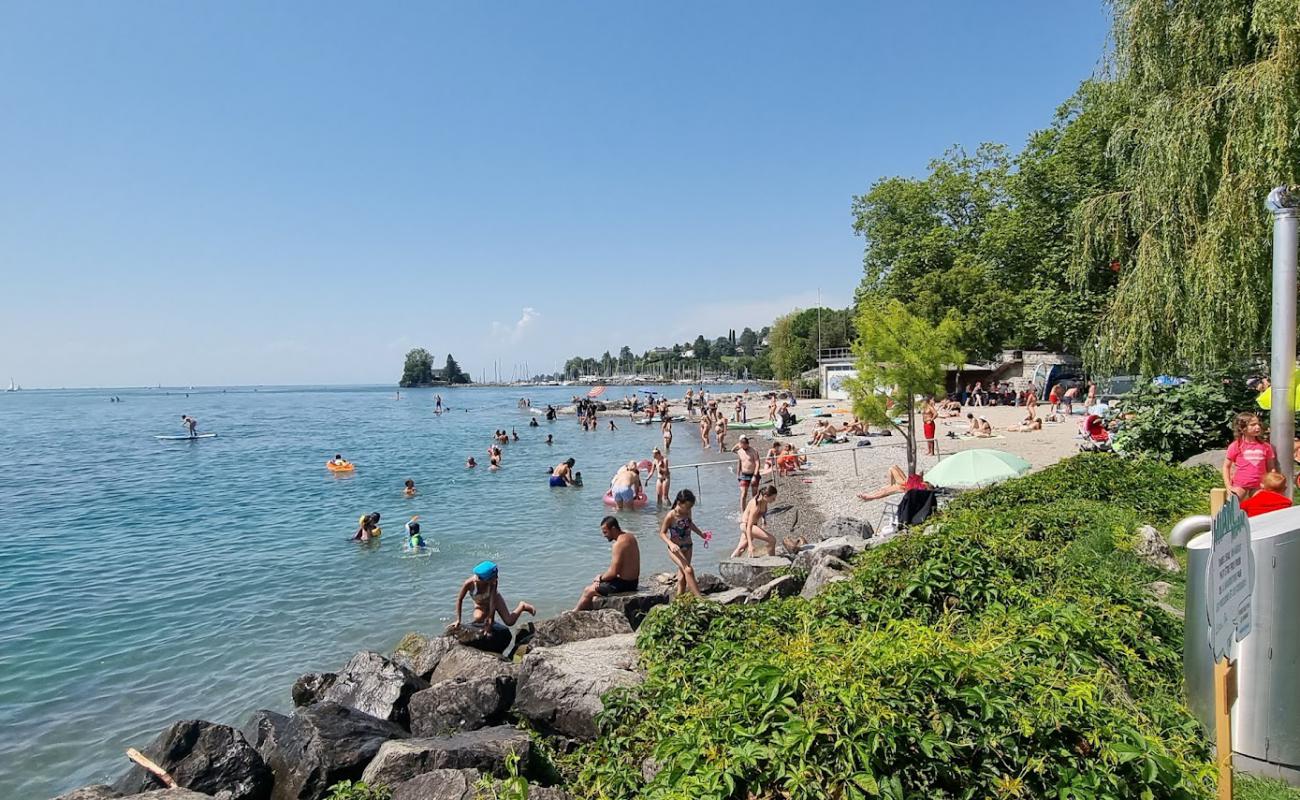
x: 185, y: 437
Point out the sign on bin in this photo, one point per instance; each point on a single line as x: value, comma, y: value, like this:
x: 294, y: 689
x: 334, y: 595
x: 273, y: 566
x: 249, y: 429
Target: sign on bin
x: 1231, y: 578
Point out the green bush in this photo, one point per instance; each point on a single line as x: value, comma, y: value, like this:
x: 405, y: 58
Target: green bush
x: 1006, y: 650
x: 357, y: 790
x: 1176, y: 422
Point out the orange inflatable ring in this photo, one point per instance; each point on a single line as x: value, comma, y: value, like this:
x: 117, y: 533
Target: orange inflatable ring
x: 346, y: 466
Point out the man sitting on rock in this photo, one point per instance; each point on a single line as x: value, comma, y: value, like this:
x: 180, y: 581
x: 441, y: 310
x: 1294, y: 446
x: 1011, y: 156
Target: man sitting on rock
x: 624, y: 565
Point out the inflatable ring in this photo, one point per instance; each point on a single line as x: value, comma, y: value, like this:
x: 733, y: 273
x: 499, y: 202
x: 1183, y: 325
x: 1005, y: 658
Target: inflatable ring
x: 637, y: 502
x: 344, y: 467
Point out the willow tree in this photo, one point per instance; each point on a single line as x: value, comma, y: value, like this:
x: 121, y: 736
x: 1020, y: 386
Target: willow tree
x: 1208, y: 100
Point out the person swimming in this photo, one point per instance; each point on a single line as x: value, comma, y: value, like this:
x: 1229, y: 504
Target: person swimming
x: 409, y: 491
x: 367, y: 528
x: 532, y: 423
x: 470, y: 463
x: 550, y: 439
x: 414, y: 541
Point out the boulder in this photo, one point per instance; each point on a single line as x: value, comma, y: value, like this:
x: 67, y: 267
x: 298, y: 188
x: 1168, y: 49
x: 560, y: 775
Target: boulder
x: 171, y: 794
x: 836, y: 527
x: 374, y: 685
x: 560, y: 687
x: 843, y: 547
x: 575, y: 626
x: 203, y: 757
x: 323, y: 744
x: 495, y: 640
x: 309, y: 688
x: 96, y: 791
x: 730, y: 597
x: 484, y: 750
x: 440, y: 784
x: 1210, y: 458
x: 827, y: 571
x: 752, y: 572
x: 263, y: 732
x: 420, y: 654
x: 462, y: 704
x: 707, y: 581
x: 633, y: 605
x: 784, y: 586
x: 1152, y: 548
x: 467, y: 662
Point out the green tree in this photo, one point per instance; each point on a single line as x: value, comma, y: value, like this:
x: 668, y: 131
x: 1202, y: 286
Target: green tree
x: 452, y: 373
x: 701, y: 348
x: 418, y: 369
x: 723, y: 347
x: 1207, y: 98
x: 747, y: 342
x: 899, y: 356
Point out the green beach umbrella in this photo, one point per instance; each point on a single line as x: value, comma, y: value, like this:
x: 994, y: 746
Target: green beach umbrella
x: 976, y: 468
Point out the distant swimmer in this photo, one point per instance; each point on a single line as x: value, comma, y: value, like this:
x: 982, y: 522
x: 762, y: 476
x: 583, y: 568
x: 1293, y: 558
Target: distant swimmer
x: 190, y: 424
x: 514, y: 435
x: 563, y: 475
x: 437, y: 404
x: 338, y: 460
x: 550, y: 413
x: 414, y: 541
x: 409, y: 491
x: 470, y: 463
x: 367, y: 528
x: 612, y: 426
x: 494, y: 458
x: 550, y: 439
x: 532, y: 423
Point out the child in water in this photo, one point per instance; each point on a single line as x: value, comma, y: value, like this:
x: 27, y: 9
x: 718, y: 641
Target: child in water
x: 414, y: 541
x: 409, y: 491
x: 368, y: 528
x: 488, y: 602
x: 470, y: 463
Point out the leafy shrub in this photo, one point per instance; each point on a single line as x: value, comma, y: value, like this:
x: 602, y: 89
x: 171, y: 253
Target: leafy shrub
x: 1006, y: 650
x: 357, y: 790
x: 1176, y: 422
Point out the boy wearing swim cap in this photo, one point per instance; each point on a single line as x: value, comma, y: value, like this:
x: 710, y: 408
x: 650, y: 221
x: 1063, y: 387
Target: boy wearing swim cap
x: 488, y: 602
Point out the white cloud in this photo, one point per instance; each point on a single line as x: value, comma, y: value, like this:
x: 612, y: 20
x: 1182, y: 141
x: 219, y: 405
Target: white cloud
x: 516, y: 332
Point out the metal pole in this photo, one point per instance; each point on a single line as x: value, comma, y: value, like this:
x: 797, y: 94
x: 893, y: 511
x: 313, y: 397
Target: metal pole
x: 699, y: 490
x: 855, y: 462
x: 1285, y: 205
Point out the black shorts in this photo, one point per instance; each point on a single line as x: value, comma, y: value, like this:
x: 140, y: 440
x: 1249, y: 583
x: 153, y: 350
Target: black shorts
x: 615, y: 586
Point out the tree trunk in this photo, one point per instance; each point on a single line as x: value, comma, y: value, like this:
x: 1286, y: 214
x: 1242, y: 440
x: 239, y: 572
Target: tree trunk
x: 911, y: 435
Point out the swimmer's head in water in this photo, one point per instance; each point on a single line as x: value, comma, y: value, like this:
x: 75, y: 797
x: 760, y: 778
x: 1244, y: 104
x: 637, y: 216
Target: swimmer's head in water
x: 571, y: 462
x: 485, y: 571
x: 410, y: 484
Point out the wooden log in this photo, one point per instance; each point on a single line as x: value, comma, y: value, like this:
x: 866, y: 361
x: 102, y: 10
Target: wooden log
x: 157, y: 771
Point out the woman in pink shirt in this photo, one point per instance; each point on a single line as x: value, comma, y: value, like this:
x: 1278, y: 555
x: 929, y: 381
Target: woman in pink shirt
x: 1249, y: 458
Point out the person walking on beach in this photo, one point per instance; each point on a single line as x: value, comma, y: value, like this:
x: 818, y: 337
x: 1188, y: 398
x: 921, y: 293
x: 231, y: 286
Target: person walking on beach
x: 750, y: 527
x: 488, y: 602
x: 676, y: 531
x: 1248, y: 458
x: 771, y: 407
x: 746, y: 468
x: 659, y: 469
x: 624, y: 573
x: 928, y: 416
x: 190, y: 424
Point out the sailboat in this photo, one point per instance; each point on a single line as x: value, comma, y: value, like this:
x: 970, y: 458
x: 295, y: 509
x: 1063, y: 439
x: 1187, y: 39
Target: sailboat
x: 13, y: 387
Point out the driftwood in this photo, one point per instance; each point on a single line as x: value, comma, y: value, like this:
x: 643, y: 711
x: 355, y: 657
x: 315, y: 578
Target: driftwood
x: 158, y: 772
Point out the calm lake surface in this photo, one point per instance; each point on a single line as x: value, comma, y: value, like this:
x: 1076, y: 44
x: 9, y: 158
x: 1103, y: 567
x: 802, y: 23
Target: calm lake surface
x: 144, y: 581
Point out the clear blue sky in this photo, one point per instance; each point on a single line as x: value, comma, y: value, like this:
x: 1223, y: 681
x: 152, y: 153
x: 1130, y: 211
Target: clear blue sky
x: 233, y: 193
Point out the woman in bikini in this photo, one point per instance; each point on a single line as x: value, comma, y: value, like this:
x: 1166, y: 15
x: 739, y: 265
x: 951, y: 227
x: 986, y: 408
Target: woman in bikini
x: 667, y: 427
x: 488, y: 602
x: 659, y: 468
x: 676, y: 531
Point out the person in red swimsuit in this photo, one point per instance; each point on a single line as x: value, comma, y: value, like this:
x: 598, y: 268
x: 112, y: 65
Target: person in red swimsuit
x: 928, y: 416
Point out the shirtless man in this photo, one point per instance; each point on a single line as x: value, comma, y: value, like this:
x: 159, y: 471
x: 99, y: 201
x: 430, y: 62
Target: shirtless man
x: 562, y: 475
x: 624, y: 565
x: 746, y: 468
x: 750, y: 527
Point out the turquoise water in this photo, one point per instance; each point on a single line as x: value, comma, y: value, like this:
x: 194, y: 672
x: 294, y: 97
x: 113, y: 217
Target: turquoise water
x: 145, y: 581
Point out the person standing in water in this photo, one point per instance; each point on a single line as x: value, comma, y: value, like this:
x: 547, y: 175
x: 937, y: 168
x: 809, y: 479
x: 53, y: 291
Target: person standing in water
x: 562, y: 474
x: 437, y: 404
x: 625, y: 486
x: 667, y: 427
x: 747, y: 467
x: 676, y: 531
x: 659, y: 468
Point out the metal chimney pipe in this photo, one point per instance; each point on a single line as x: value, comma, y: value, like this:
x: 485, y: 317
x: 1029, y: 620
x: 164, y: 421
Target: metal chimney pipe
x: 1285, y: 205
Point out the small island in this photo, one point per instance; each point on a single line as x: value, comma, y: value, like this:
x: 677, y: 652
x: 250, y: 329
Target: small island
x: 418, y: 371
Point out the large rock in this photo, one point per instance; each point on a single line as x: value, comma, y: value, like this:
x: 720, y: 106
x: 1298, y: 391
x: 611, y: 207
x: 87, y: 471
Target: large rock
x: 1152, y: 548
x: 843, y: 547
x: 707, y: 581
x: 440, y: 784
x: 730, y: 597
x: 784, y: 586
x: 633, y: 605
x: 309, y: 688
x: 1210, y: 458
x: 263, y: 732
x: 204, y: 757
x: 464, y: 663
x: 462, y: 704
x: 752, y: 573
x: 576, y: 626
x: 420, y: 654
x: 827, y: 571
x: 172, y: 794
x: 494, y: 640
x: 560, y: 687
x: 324, y: 744
x: 845, y: 526
x: 376, y: 686
x: 96, y: 791
x: 484, y: 750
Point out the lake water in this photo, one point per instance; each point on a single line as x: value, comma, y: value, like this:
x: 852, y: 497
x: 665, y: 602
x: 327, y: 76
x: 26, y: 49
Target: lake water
x: 144, y: 581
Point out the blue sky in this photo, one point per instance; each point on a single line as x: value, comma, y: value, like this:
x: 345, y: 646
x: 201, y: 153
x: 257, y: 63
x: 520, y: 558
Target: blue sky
x: 234, y: 193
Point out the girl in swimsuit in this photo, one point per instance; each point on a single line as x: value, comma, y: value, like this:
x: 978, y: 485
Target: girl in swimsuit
x: 667, y: 428
x: 488, y: 602
x: 676, y: 530
x: 659, y: 467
